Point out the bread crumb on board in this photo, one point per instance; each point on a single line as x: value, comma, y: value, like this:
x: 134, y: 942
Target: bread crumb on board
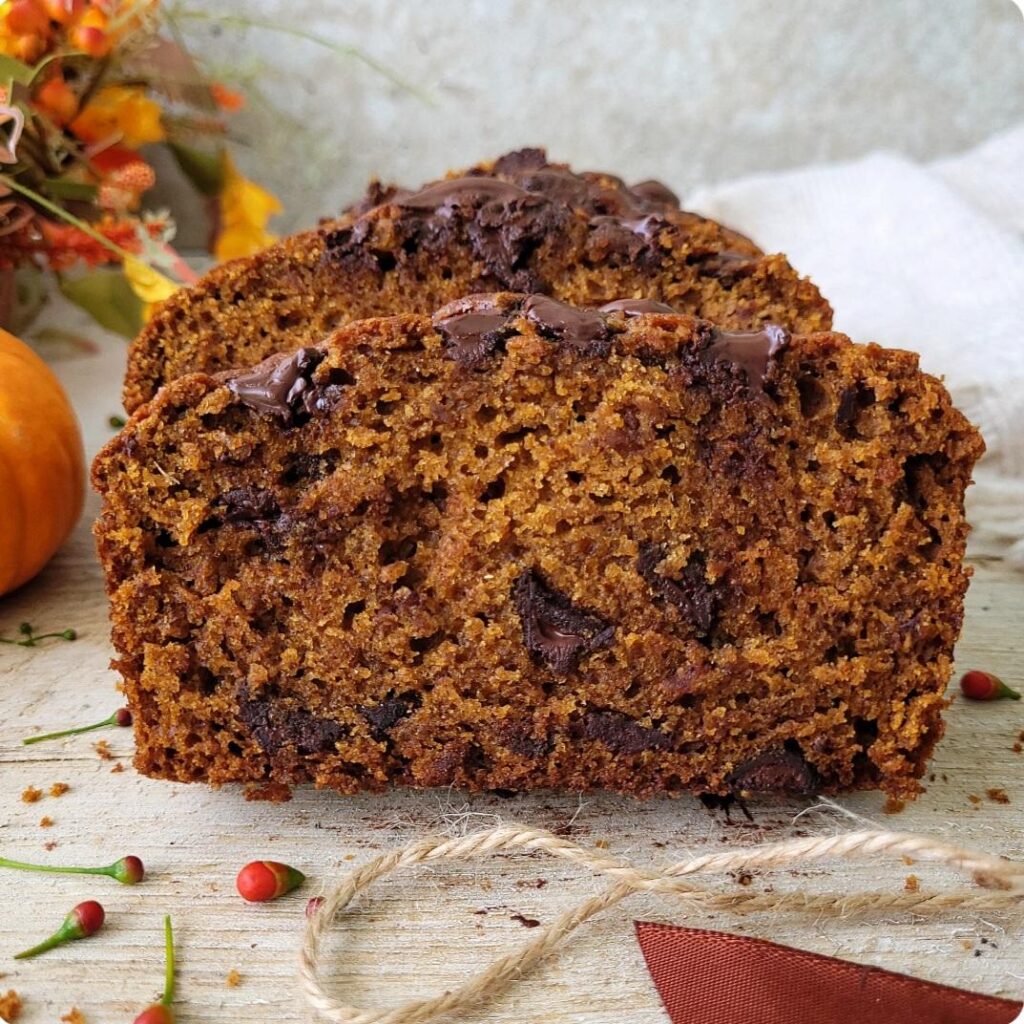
x: 29, y: 795
x: 46, y: 821
x: 912, y: 884
x: 997, y: 795
x: 102, y: 748
x: 73, y: 1016
x: 234, y: 979
x: 59, y: 789
x: 10, y: 1006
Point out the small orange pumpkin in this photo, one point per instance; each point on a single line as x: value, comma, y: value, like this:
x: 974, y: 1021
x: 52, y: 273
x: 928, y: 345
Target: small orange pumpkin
x: 42, y: 467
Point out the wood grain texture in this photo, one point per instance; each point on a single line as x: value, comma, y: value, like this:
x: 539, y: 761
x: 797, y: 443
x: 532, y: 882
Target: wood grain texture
x: 423, y: 931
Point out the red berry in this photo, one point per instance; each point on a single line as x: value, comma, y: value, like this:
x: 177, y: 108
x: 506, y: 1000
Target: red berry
x: 123, y: 718
x: 264, y: 880
x: 129, y: 871
x: 89, y: 917
x: 978, y: 685
x: 156, y: 1014
x: 91, y: 40
x: 25, y: 17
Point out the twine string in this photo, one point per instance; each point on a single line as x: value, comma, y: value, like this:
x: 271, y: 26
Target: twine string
x: 1000, y: 885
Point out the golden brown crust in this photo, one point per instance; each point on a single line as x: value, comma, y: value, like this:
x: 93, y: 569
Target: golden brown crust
x: 570, y: 556
x: 584, y: 238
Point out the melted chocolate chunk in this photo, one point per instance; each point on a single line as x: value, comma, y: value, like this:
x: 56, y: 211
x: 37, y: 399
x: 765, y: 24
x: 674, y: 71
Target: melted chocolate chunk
x: 556, y: 633
x: 621, y: 733
x: 464, y: 193
x: 776, y: 771
x: 275, y: 727
x: 655, y: 194
x: 248, y: 505
x: 281, y: 385
x: 635, y: 307
x: 752, y: 353
x: 695, y: 598
x: 474, y: 327
x: 385, y: 716
x: 584, y: 330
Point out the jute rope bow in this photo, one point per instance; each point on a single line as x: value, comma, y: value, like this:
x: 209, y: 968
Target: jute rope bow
x: 1001, y: 883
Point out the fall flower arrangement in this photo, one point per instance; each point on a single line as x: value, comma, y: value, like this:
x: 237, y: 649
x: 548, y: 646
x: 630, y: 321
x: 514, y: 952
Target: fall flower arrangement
x: 89, y: 90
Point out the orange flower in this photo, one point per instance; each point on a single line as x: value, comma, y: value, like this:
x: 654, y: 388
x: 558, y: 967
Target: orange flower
x: 123, y: 187
x: 245, y: 209
x: 56, y: 100
x: 122, y: 113
x: 225, y: 98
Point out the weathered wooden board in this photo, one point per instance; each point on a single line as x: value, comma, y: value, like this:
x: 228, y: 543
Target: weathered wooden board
x: 422, y: 932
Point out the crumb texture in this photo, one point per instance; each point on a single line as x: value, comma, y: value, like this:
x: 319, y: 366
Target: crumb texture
x: 519, y: 223
x: 521, y: 545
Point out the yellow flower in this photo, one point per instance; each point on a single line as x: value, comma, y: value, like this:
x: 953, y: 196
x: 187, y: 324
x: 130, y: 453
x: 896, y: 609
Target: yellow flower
x: 245, y: 209
x: 122, y: 114
x: 148, y: 284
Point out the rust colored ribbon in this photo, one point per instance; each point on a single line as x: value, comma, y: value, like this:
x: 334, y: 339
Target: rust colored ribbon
x: 708, y: 977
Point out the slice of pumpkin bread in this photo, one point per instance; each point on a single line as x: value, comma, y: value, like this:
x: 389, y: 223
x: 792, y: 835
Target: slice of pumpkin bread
x: 519, y: 223
x: 520, y: 544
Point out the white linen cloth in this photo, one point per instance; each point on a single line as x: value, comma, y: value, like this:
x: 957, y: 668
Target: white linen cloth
x: 921, y: 257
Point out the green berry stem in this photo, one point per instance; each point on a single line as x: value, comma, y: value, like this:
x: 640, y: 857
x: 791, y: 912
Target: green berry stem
x: 30, y: 638
x: 58, y: 938
x: 168, y: 996
x: 117, y: 870
x: 121, y: 717
x: 84, y: 920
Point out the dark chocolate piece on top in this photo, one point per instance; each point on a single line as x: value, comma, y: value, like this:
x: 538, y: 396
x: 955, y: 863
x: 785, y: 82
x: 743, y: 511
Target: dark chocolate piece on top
x: 279, y: 386
x: 585, y: 330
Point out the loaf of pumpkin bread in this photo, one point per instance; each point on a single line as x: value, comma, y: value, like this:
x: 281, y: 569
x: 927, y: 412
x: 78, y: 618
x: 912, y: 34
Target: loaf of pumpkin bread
x: 520, y: 544
x: 519, y: 223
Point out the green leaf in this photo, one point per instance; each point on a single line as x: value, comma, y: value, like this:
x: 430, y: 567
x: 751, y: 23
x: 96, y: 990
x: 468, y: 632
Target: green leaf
x: 108, y: 298
x: 13, y: 70
x: 204, y: 170
x: 59, y: 188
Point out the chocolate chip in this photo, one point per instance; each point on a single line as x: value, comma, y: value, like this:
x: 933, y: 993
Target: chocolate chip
x: 385, y: 716
x: 776, y: 771
x: 556, y: 633
x: 527, y: 159
x: 628, y: 237
x: 525, y: 744
x: 474, y: 327
x: 636, y: 307
x: 726, y: 265
x: 376, y: 195
x: 621, y: 733
x: 691, y: 593
x: 752, y: 353
x: 584, y: 330
x: 558, y: 184
x: 276, y: 727
x: 655, y: 194
x: 248, y: 504
x: 281, y: 385
x: 851, y: 401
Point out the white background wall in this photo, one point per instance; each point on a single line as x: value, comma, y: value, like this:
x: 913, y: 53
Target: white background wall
x: 689, y: 91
